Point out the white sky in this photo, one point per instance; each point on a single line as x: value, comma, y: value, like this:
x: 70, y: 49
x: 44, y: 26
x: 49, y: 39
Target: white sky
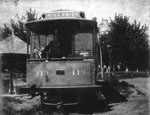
x: 136, y: 9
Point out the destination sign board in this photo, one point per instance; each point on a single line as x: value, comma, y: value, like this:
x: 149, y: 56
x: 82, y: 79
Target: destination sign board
x: 63, y: 14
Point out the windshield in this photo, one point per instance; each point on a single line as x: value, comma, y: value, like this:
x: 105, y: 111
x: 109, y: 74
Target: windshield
x: 62, y: 45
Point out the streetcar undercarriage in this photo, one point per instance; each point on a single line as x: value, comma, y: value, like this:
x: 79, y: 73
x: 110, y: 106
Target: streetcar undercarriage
x: 66, y: 96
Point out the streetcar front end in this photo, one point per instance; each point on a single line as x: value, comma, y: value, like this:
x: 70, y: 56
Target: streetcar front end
x: 64, y: 59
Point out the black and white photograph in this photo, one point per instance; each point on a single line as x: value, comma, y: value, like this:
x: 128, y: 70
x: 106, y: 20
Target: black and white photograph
x: 74, y: 57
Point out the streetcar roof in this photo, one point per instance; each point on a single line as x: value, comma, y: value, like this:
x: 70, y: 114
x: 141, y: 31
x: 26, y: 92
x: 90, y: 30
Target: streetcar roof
x: 48, y: 26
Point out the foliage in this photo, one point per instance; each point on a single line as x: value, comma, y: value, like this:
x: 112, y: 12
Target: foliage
x: 18, y: 27
x: 129, y: 43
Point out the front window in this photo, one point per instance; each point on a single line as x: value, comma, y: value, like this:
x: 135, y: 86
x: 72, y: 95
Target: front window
x: 83, y: 44
x: 38, y: 43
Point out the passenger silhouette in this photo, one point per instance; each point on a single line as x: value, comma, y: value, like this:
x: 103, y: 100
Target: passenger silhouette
x: 52, y: 50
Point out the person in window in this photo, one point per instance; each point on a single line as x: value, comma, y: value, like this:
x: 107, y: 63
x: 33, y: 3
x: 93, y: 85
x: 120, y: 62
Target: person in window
x: 35, y: 53
x: 52, y: 50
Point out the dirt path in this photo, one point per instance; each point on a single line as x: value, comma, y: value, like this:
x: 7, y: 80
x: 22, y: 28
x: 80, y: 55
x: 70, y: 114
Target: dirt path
x: 137, y: 103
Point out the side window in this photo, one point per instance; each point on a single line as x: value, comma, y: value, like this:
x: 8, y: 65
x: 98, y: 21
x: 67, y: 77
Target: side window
x: 83, y: 43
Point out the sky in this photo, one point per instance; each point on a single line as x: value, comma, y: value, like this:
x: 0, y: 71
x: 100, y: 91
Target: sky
x: 102, y: 9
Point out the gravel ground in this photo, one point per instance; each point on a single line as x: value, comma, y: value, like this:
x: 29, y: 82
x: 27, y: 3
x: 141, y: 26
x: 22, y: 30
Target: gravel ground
x: 136, y: 90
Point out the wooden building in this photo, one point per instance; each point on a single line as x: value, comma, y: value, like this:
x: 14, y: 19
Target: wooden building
x: 13, y: 55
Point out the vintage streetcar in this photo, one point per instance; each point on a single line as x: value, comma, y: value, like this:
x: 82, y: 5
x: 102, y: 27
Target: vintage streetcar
x: 65, y: 59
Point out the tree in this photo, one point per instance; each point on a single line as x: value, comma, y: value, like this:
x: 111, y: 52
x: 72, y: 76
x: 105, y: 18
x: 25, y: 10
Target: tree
x: 18, y: 27
x: 129, y: 43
